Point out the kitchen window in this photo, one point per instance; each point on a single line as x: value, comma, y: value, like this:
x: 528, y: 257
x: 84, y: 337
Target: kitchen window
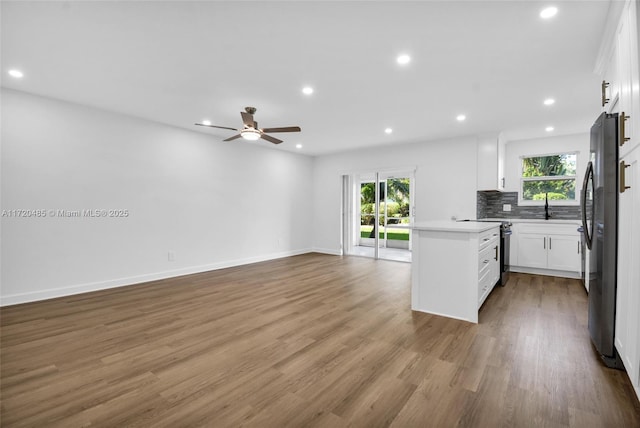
x: 552, y: 176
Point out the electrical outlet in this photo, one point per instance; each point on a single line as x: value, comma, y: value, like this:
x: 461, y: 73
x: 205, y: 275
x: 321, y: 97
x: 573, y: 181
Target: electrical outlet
x: 171, y: 256
x: 506, y: 207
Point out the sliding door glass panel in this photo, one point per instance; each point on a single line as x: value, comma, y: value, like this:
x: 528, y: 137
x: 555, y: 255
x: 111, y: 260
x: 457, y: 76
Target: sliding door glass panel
x: 367, y: 213
x: 397, y: 218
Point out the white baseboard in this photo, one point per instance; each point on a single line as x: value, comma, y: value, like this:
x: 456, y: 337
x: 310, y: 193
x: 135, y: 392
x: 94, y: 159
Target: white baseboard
x: 547, y: 272
x: 332, y: 252
x: 34, y: 296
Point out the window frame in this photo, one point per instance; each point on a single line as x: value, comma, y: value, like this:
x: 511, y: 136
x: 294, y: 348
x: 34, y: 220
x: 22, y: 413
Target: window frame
x: 556, y: 202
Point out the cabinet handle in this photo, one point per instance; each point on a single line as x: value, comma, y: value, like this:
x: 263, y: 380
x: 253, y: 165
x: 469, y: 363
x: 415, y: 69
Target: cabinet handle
x: 623, y: 138
x: 549, y: 242
x: 486, y: 239
x: 503, y: 182
x: 544, y: 242
x: 603, y: 88
x: 496, y: 253
x: 485, y: 262
x: 623, y: 185
x: 578, y: 247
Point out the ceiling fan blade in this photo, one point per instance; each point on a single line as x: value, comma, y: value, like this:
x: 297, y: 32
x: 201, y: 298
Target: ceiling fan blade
x: 214, y: 126
x: 233, y: 138
x: 270, y: 139
x: 247, y: 119
x: 284, y: 129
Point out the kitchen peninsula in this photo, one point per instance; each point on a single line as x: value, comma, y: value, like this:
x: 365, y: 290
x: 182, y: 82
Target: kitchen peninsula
x: 455, y: 267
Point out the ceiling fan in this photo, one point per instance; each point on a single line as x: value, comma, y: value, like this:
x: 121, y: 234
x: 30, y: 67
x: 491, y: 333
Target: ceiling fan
x: 250, y: 130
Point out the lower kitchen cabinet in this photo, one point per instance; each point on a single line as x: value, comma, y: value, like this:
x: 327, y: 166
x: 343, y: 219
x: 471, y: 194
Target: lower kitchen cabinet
x: 532, y: 250
x: 455, y: 267
x: 627, y: 336
x: 547, y: 248
x: 564, y: 253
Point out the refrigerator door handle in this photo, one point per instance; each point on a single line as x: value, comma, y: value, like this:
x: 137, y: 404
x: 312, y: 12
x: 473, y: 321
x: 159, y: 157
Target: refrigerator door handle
x: 583, y: 203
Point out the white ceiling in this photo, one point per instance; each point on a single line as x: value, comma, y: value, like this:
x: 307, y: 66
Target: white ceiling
x: 180, y: 62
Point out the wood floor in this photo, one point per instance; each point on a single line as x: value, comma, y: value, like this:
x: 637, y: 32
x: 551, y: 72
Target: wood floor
x: 311, y: 340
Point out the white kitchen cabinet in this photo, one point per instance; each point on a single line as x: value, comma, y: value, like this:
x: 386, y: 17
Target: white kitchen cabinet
x: 610, y: 80
x: 491, y: 154
x: 627, y: 336
x: 628, y: 78
x: 488, y: 263
x: 455, y: 266
x: 564, y: 253
x: 546, y: 248
x: 619, y: 64
x: 532, y: 250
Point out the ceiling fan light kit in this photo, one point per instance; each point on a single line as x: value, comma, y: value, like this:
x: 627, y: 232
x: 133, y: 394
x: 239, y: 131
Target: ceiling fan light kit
x: 250, y: 130
x: 250, y: 134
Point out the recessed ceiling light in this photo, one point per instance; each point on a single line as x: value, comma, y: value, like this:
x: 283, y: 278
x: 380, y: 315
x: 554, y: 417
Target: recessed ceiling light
x: 16, y: 73
x: 548, y: 12
x: 461, y: 118
x: 403, y: 59
x: 549, y: 101
x: 307, y: 90
x: 298, y: 146
x: 206, y: 122
x: 388, y: 130
x: 549, y: 128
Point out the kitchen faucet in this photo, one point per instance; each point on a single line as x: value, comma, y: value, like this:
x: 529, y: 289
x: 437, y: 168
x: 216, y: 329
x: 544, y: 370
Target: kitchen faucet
x: 547, y: 214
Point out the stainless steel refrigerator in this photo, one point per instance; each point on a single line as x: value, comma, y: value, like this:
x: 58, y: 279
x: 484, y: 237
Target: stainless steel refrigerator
x: 599, y: 202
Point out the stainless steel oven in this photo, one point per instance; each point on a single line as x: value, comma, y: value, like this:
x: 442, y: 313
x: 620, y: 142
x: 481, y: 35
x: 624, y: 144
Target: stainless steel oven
x: 505, y: 249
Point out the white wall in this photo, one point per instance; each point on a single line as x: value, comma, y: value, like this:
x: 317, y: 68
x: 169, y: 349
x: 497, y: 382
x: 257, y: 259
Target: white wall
x: 541, y: 146
x: 214, y: 204
x: 445, y: 182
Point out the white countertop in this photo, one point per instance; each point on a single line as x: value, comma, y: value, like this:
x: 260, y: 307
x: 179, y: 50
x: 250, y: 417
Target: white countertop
x: 455, y: 226
x: 534, y: 220
x: 541, y: 220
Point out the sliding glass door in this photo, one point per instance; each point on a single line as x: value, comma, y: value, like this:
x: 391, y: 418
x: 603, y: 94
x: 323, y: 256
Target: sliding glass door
x: 383, y: 203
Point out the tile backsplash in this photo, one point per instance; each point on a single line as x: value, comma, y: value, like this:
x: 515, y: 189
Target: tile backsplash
x: 489, y: 205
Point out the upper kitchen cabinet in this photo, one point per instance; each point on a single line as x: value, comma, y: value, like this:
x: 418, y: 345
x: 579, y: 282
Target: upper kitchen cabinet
x: 491, y: 153
x: 610, y: 86
x: 627, y: 47
x: 618, y: 66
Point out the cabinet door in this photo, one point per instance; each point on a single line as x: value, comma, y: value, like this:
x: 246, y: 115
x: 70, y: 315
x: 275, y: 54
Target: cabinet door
x: 488, y: 163
x: 532, y: 250
x: 564, y: 252
x: 513, y: 245
x: 628, y: 293
x: 502, y: 149
x: 627, y: 46
x: 611, y: 77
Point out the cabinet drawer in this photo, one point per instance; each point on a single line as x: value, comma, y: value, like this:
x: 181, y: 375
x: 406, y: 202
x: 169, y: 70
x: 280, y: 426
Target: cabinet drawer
x: 487, y: 238
x: 487, y: 256
x: 485, y: 285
